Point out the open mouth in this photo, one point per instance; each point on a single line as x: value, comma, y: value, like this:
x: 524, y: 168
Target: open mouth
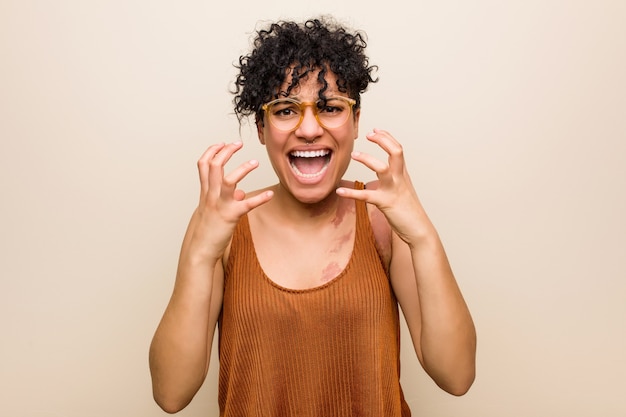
x: 309, y: 164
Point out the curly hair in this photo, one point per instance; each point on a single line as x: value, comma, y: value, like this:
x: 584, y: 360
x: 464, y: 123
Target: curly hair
x: 296, y: 49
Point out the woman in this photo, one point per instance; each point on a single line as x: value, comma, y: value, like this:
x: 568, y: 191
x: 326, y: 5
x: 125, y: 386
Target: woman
x: 304, y: 278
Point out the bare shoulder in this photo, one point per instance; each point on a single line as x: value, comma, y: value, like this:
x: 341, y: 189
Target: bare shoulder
x: 380, y: 227
x: 372, y: 185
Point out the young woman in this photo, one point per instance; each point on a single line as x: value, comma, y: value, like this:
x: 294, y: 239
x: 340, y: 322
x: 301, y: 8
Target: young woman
x: 305, y: 278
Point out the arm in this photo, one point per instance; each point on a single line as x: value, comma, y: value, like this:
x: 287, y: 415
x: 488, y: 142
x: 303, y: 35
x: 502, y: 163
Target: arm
x: 439, y: 321
x: 181, y: 346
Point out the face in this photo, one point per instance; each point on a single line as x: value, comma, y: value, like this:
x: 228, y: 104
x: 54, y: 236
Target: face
x: 311, y: 160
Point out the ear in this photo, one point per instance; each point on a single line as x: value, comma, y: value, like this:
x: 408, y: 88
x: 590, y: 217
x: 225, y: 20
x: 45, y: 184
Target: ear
x: 259, y: 131
x: 357, y: 115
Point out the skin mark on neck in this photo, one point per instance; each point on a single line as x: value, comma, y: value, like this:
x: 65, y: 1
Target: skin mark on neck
x: 344, y: 207
x: 321, y: 208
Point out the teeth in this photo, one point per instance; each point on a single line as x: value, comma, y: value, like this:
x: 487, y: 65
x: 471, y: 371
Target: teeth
x: 300, y: 174
x: 310, y: 154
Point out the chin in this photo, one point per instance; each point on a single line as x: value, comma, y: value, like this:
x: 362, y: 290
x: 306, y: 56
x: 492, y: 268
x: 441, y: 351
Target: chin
x: 312, y: 195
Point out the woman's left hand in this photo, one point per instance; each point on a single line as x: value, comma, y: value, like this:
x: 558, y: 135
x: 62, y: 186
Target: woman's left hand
x: 394, y: 194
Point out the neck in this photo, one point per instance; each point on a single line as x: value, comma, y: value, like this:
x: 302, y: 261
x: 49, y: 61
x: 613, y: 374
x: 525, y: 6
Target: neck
x: 326, y: 210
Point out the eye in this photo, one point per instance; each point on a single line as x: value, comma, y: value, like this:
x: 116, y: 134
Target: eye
x: 285, y: 109
x: 332, y: 107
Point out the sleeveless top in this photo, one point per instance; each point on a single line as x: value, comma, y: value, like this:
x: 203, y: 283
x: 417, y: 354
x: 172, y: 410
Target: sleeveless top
x: 327, y: 351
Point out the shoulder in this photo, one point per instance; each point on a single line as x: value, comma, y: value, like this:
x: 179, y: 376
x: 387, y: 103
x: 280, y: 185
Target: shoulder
x: 380, y: 227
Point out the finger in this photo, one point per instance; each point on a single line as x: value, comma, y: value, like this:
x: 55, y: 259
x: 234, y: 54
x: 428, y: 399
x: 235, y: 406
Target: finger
x: 257, y: 200
x: 240, y: 172
x: 227, y: 151
x: 383, y: 138
x: 239, y: 195
x: 371, y: 162
x: 363, y: 195
x: 216, y: 166
x: 247, y: 204
x: 391, y: 146
x: 203, y: 164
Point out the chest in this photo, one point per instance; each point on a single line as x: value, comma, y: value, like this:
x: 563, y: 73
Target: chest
x: 302, y: 259
x: 308, y: 286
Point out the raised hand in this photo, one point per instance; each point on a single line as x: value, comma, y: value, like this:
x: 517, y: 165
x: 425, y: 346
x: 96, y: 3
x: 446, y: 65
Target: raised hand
x: 393, y: 194
x: 221, y: 203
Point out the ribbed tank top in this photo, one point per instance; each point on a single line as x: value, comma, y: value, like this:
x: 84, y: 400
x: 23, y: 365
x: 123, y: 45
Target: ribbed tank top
x: 328, y: 351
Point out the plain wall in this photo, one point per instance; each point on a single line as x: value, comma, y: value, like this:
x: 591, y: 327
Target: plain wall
x: 513, y: 117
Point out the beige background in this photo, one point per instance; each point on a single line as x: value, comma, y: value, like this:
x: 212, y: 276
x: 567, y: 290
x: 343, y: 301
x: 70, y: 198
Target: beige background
x: 513, y: 115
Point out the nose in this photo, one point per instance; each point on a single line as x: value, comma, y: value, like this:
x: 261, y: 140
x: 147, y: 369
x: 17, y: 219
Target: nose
x: 309, y: 128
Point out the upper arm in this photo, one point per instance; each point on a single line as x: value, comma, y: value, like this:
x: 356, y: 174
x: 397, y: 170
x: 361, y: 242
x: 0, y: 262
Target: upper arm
x: 397, y: 256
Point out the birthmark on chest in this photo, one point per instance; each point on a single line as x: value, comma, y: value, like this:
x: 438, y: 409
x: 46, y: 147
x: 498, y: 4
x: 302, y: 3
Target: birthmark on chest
x: 341, y: 242
x: 331, y: 271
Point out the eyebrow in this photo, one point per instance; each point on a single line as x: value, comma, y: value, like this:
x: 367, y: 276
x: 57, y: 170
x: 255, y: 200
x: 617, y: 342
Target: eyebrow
x: 298, y: 98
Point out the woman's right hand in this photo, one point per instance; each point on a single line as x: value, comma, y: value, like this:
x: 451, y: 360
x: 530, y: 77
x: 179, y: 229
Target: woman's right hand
x: 221, y: 203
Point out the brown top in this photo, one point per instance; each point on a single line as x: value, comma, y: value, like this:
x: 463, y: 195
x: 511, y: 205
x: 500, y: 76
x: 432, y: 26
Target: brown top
x: 328, y: 351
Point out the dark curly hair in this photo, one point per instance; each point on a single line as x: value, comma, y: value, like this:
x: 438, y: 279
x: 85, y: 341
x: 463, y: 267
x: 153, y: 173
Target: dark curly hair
x: 317, y: 44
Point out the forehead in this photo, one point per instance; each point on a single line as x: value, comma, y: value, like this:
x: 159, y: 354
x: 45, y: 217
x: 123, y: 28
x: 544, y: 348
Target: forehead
x: 309, y: 86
